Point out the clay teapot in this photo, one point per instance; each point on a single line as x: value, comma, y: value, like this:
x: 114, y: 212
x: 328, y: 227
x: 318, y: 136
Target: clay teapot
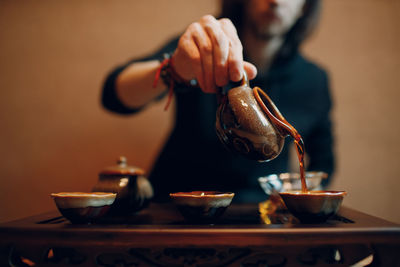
x: 133, y: 189
x: 249, y: 123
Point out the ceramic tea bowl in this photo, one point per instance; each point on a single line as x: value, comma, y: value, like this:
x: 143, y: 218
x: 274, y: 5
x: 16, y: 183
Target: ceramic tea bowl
x: 313, y: 206
x: 202, y: 206
x: 79, y: 207
x: 273, y: 184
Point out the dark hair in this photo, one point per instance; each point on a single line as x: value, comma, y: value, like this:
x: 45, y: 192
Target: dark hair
x: 305, y: 25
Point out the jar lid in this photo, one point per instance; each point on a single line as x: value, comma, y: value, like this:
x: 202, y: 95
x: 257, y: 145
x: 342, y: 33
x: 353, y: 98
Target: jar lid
x: 122, y: 169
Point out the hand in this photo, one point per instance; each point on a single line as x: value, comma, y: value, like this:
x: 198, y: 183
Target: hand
x: 211, y: 52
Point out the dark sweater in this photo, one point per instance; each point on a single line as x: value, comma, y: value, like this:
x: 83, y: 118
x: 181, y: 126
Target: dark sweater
x: 193, y: 158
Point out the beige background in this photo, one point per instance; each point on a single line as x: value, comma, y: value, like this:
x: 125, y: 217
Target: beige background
x: 55, y: 136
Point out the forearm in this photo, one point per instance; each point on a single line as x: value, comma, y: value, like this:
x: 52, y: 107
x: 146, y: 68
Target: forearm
x: 134, y: 85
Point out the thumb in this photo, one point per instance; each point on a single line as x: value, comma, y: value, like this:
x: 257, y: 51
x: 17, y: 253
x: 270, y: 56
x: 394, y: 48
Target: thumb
x: 250, y: 69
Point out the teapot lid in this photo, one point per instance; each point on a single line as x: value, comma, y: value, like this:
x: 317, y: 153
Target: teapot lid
x: 122, y: 168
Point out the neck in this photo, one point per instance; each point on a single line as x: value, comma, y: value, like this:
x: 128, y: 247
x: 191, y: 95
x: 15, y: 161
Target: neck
x: 261, y: 51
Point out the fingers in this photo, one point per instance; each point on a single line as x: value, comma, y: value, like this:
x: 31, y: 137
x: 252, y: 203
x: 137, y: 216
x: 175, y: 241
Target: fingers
x: 205, y: 47
x: 250, y: 69
x: 211, y: 52
x: 235, y: 59
x: 198, y: 55
x: 220, y: 44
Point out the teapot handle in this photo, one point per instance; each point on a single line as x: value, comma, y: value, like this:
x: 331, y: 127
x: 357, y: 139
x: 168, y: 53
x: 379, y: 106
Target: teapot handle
x: 274, y: 114
x: 243, y: 82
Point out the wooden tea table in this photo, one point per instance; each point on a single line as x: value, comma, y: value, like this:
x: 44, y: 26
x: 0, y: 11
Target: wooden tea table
x: 158, y: 236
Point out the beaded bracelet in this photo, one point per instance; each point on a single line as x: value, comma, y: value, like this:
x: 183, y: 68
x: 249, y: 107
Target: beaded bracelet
x: 172, y: 79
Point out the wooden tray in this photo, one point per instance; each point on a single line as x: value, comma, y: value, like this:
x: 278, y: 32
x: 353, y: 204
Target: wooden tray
x: 158, y: 236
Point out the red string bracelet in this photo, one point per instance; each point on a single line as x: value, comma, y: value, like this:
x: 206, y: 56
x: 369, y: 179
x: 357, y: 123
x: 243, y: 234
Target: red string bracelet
x: 162, y: 66
x: 167, y: 72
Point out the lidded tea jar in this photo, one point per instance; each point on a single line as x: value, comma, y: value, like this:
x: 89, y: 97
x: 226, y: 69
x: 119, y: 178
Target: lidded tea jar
x: 133, y: 189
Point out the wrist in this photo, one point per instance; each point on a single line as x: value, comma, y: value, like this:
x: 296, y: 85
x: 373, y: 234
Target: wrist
x: 171, y: 79
x: 169, y: 75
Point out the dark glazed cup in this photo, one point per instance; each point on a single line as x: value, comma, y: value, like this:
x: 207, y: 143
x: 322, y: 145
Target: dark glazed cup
x: 313, y: 206
x: 133, y: 189
x: 80, y: 207
x: 202, y: 206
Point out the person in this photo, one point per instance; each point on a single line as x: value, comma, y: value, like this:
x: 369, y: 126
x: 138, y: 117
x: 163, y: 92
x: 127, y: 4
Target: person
x: 260, y: 37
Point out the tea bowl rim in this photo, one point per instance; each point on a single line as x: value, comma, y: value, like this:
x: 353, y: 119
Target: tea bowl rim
x: 315, y: 193
x: 77, y: 194
x: 202, y: 195
x: 194, y: 199
x: 65, y: 200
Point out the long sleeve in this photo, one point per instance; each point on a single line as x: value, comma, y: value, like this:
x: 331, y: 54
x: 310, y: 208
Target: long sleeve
x: 320, y: 141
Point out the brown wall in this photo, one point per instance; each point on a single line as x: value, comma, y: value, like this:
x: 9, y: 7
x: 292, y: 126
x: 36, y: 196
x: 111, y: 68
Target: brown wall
x: 55, y: 136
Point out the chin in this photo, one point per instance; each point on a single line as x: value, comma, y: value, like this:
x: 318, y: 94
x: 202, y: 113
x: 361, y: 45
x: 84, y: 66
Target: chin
x: 276, y: 29
x: 264, y: 28
x: 269, y: 31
